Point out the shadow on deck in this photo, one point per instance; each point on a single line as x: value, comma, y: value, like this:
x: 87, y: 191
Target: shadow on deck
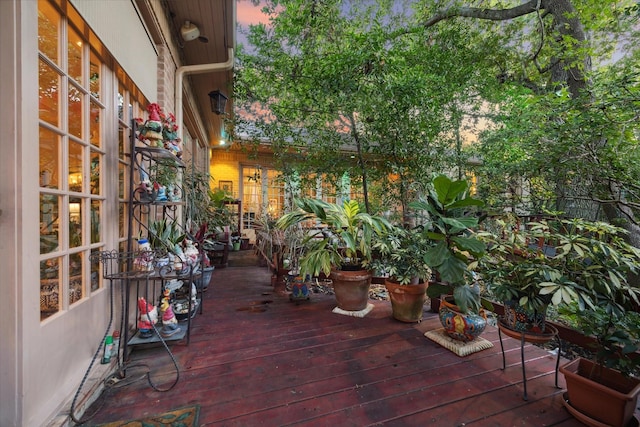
x: 255, y: 358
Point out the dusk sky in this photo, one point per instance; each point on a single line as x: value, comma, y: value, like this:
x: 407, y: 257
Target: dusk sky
x: 247, y: 14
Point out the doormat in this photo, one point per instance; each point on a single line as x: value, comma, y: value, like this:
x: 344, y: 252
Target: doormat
x: 183, y: 417
x: 460, y: 348
x: 359, y: 313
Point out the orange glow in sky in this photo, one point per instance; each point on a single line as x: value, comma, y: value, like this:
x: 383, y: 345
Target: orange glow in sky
x: 248, y: 14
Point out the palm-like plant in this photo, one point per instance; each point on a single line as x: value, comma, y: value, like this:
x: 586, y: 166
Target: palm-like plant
x: 343, y: 235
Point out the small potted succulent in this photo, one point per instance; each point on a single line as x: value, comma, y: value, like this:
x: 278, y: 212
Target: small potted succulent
x: 339, y: 245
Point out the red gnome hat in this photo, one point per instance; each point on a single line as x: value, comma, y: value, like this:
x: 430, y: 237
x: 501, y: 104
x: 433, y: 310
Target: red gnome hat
x: 144, y: 306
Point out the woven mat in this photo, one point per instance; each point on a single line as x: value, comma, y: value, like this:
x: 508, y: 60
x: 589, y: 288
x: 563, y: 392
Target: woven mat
x: 183, y: 417
x: 360, y: 313
x: 458, y: 347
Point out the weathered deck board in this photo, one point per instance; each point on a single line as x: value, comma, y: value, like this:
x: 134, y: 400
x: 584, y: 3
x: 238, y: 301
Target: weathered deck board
x: 285, y: 363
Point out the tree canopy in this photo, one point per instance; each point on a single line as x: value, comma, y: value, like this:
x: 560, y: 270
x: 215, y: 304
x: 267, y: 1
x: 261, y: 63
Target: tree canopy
x: 548, y: 87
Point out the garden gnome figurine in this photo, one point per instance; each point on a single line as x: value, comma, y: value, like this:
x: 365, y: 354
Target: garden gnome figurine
x: 153, y: 127
x: 148, y: 317
x: 169, y: 321
x: 191, y: 253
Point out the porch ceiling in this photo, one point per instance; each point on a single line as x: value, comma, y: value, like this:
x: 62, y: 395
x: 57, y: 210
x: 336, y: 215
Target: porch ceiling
x: 216, y: 22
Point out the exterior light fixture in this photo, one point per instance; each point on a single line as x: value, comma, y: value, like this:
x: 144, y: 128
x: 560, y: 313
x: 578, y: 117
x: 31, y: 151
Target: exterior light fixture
x: 218, y: 102
x: 189, y: 31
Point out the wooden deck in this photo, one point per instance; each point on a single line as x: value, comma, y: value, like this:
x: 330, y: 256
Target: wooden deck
x: 256, y: 358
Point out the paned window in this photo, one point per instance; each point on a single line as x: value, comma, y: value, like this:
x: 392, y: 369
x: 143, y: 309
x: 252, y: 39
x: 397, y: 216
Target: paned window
x: 71, y: 159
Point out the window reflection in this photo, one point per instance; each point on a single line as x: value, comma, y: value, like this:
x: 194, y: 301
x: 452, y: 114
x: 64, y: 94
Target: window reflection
x: 75, y: 222
x: 49, y: 158
x: 75, y: 166
x: 49, y: 101
x: 96, y: 272
x: 95, y: 173
x: 49, y: 223
x: 48, y: 30
x: 49, y: 287
x: 75, y: 279
x: 76, y: 119
x: 95, y: 221
x: 74, y: 50
x: 95, y: 75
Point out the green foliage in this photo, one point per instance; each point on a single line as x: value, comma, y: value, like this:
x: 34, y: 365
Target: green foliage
x: 165, y: 234
x: 617, y: 334
x: 451, y: 223
x: 344, y: 234
x: 561, y: 261
x: 581, y: 266
x: 324, y: 77
x: 400, y: 254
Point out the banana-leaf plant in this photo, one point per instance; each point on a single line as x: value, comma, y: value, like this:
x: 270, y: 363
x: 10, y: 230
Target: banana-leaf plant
x: 338, y: 235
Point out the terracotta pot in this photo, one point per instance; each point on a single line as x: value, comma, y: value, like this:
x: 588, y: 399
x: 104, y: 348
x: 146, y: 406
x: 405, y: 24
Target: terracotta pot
x: 351, y: 289
x: 407, y: 301
x: 461, y: 326
x: 610, y: 400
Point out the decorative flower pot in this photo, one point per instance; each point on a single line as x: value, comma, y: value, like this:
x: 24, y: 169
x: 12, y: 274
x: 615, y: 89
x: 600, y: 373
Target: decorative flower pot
x: 351, y: 289
x: 609, y: 398
x: 407, y: 301
x: 520, y: 319
x: 461, y: 326
x: 202, y: 282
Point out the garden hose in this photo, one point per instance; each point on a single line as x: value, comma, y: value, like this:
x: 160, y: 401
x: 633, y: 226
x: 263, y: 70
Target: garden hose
x: 115, y: 380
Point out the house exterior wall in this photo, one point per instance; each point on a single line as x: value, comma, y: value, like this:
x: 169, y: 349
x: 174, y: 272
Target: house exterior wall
x: 42, y: 363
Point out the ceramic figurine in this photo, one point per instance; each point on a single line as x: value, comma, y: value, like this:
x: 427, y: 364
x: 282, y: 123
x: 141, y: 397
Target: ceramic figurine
x: 162, y: 192
x: 190, y: 253
x: 147, y: 318
x: 299, y: 289
x: 169, y: 321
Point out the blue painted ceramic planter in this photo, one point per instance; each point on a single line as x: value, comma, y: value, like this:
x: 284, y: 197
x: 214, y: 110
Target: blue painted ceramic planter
x: 461, y: 326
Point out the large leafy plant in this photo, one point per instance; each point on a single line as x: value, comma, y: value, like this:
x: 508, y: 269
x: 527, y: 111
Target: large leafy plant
x: 451, y: 220
x: 338, y: 235
x: 400, y: 255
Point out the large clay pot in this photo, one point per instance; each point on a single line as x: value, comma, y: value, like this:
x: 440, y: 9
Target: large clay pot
x: 461, y: 326
x: 351, y: 289
x: 595, y: 403
x: 407, y: 301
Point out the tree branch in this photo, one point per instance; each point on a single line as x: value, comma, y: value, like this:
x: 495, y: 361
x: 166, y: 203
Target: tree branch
x: 481, y: 13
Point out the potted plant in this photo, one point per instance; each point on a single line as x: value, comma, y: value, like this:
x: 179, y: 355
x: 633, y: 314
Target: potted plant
x: 451, y: 221
x: 339, y: 246
x: 400, y: 256
x: 167, y: 236
x: 518, y: 263
x: 603, y: 389
x: 595, y: 288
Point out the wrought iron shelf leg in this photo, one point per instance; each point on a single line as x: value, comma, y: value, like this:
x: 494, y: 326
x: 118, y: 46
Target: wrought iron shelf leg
x: 524, y: 373
x: 504, y: 362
